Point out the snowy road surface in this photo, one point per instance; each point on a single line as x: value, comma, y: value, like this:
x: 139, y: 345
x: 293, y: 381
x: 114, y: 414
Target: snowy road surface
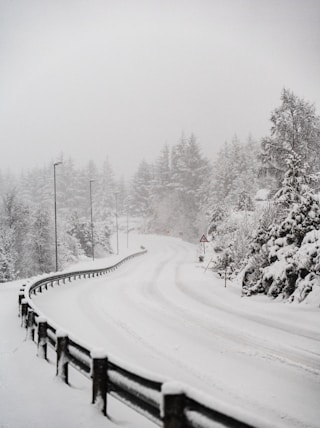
x: 162, y: 313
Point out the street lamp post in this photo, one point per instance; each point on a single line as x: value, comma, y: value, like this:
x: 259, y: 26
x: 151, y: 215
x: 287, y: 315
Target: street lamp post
x: 127, y: 229
x: 55, y: 211
x: 117, y: 226
x: 92, y: 240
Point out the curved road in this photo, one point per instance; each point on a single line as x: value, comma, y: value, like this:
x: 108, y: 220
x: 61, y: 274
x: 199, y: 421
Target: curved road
x: 162, y: 313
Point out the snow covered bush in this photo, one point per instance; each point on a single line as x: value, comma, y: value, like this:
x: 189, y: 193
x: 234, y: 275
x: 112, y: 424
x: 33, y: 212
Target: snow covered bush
x: 80, y: 230
x: 216, y: 216
x: 289, y: 253
x: 308, y: 266
x: 232, y: 239
x: 287, y: 262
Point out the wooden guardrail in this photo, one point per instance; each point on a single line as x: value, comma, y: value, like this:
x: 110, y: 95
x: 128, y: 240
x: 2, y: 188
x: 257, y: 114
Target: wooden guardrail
x: 167, y: 404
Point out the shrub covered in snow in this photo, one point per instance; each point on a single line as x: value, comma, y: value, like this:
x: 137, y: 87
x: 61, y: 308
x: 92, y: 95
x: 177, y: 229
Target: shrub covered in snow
x: 231, y: 241
x: 288, y: 254
x: 285, y: 249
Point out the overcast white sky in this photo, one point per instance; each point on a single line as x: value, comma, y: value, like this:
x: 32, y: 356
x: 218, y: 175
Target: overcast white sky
x: 120, y: 78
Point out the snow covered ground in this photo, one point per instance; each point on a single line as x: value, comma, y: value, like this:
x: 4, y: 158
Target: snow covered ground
x: 162, y: 313
x: 30, y: 394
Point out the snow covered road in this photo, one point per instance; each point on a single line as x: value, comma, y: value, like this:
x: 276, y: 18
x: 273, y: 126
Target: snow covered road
x: 162, y: 313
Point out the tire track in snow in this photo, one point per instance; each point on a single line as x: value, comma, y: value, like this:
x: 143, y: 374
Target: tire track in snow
x: 302, y: 359
x: 286, y: 355
x: 150, y: 289
x: 145, y: 298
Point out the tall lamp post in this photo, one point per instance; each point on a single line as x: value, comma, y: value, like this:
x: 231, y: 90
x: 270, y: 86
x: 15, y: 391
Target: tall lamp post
x: 117, y: 227
x: 92, y: 240
x: 127, y: 229
x: 55, y: 211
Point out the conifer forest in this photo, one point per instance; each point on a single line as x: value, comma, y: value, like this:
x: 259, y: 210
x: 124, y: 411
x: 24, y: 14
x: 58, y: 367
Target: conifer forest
x: 257, y: 201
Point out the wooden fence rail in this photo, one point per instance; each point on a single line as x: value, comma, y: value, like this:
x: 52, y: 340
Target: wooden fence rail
x: 166, y: 406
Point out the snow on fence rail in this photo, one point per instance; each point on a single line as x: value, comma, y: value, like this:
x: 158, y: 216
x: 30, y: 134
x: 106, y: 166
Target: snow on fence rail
x: 167, y: 404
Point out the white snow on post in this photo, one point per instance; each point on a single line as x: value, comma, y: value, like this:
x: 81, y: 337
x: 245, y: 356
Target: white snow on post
x: 99, y: 353
x: 61, y: 333
x: 173, y: 388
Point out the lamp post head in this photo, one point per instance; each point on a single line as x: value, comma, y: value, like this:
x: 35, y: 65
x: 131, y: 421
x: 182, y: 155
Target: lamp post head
x: 57, y: 163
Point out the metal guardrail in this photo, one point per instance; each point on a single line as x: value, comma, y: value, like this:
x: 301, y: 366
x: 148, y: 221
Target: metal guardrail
x: 167, y: 404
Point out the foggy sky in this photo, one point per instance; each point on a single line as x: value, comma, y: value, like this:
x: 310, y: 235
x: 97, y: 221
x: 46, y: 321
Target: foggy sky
x: 120, y: 78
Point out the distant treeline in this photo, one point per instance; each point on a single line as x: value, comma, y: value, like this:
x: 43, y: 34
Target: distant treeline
x: 181, y: 193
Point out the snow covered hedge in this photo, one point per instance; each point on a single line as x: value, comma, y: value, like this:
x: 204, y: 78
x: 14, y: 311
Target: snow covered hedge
x: 286, y: 257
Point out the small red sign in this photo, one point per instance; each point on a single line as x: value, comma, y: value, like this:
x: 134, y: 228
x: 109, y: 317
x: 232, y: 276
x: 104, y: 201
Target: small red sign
x: 203, y: 239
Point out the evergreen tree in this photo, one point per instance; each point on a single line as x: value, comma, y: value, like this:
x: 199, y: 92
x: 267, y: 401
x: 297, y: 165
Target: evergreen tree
x: 217, y: 213
x: 140, y: 195
x: 297, y: 213
x: 67, y: 187
x: 223, y: 176
x: 81, y: 230
x: 235, y: 173
x: 15, y: 216
x: 162, y: 172
x: 8, y: 255
x: 245, y: 202
x: 295, y: 183
x: 189, y: 177
x: 105, y: 192
x: 295, y: 128
x: 122, y: 196
x: 41, y: 242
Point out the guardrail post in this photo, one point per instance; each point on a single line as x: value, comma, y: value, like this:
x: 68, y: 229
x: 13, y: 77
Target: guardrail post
x: 20, y: 298
x: 30, y: 323
x: 173, y: 405
x: 42, y: 338
x: 24, y: 313
x: 99, y: 380
x: 62, y: 356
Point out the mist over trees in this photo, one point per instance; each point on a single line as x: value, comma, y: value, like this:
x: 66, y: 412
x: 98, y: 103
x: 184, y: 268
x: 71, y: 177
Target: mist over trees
x: 181, y: 193
x: 170, y: 192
